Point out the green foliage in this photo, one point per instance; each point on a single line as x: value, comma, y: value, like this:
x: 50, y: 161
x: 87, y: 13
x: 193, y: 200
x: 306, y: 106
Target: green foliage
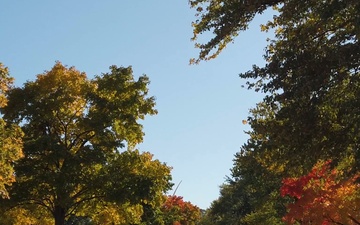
x: 5, y: 83
x: 10, y: 138
x: 312, y: 84
x: 74, y: 129
x: 79, y: 220
x: 26, y: 215
x: 312, y: 81
x: 225, y: 19
x: 250, y: 196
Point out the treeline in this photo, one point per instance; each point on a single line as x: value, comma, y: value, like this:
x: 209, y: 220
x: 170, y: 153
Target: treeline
x: 301, y: 163
x: 62, y: 156
x: 62, y: 136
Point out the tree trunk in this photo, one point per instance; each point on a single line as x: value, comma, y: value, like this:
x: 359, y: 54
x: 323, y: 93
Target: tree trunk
x: 59, y: 215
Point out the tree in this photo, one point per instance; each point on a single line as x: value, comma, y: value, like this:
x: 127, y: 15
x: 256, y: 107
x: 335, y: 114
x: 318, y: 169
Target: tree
x: 323, y: 197
x: 311, y: 81
x: 311, y: 78
x: 10, y: 138
x: 178, y: 212
x: 74, y: 131
x: 250, y: 195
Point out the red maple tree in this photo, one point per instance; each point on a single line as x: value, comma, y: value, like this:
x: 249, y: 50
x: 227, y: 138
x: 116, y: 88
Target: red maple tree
x: 178, y: 212
x: 322, y: 197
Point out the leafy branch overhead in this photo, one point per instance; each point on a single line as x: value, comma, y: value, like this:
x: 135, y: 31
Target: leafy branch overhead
x: 311, y: 78
x: 225, y: 19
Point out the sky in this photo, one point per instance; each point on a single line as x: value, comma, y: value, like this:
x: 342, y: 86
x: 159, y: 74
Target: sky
x: 198, y: 128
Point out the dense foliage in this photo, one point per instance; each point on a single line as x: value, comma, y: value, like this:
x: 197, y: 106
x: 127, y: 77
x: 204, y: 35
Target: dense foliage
x: 10, y: 138
x: 310, y: 112
x: 176, y: 211
x: 73, y: 165
x: 323, y: 197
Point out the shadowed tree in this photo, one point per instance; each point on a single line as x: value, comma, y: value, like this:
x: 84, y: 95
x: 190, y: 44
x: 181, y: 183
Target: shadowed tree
x: 311, y: 81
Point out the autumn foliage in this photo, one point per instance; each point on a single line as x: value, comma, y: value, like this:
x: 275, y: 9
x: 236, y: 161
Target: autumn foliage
x: 322, y: 197
x: 10, y: 138
x: 178, y: 212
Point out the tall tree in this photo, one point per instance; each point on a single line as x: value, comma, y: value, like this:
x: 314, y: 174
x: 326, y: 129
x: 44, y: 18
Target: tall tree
x: 10, y: 138
x: 311, y: 80
x: 74, y: 131
x: 311, y: 77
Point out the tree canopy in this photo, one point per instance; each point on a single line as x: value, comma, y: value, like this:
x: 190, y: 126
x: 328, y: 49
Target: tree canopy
x: 10, y: 138
x: 176, y: 211
x: 322, y: 197
x: 74, y: 131
x: 311, y: 82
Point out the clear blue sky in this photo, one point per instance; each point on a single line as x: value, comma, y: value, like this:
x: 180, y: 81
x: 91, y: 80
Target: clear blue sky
x: 198, y: 129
